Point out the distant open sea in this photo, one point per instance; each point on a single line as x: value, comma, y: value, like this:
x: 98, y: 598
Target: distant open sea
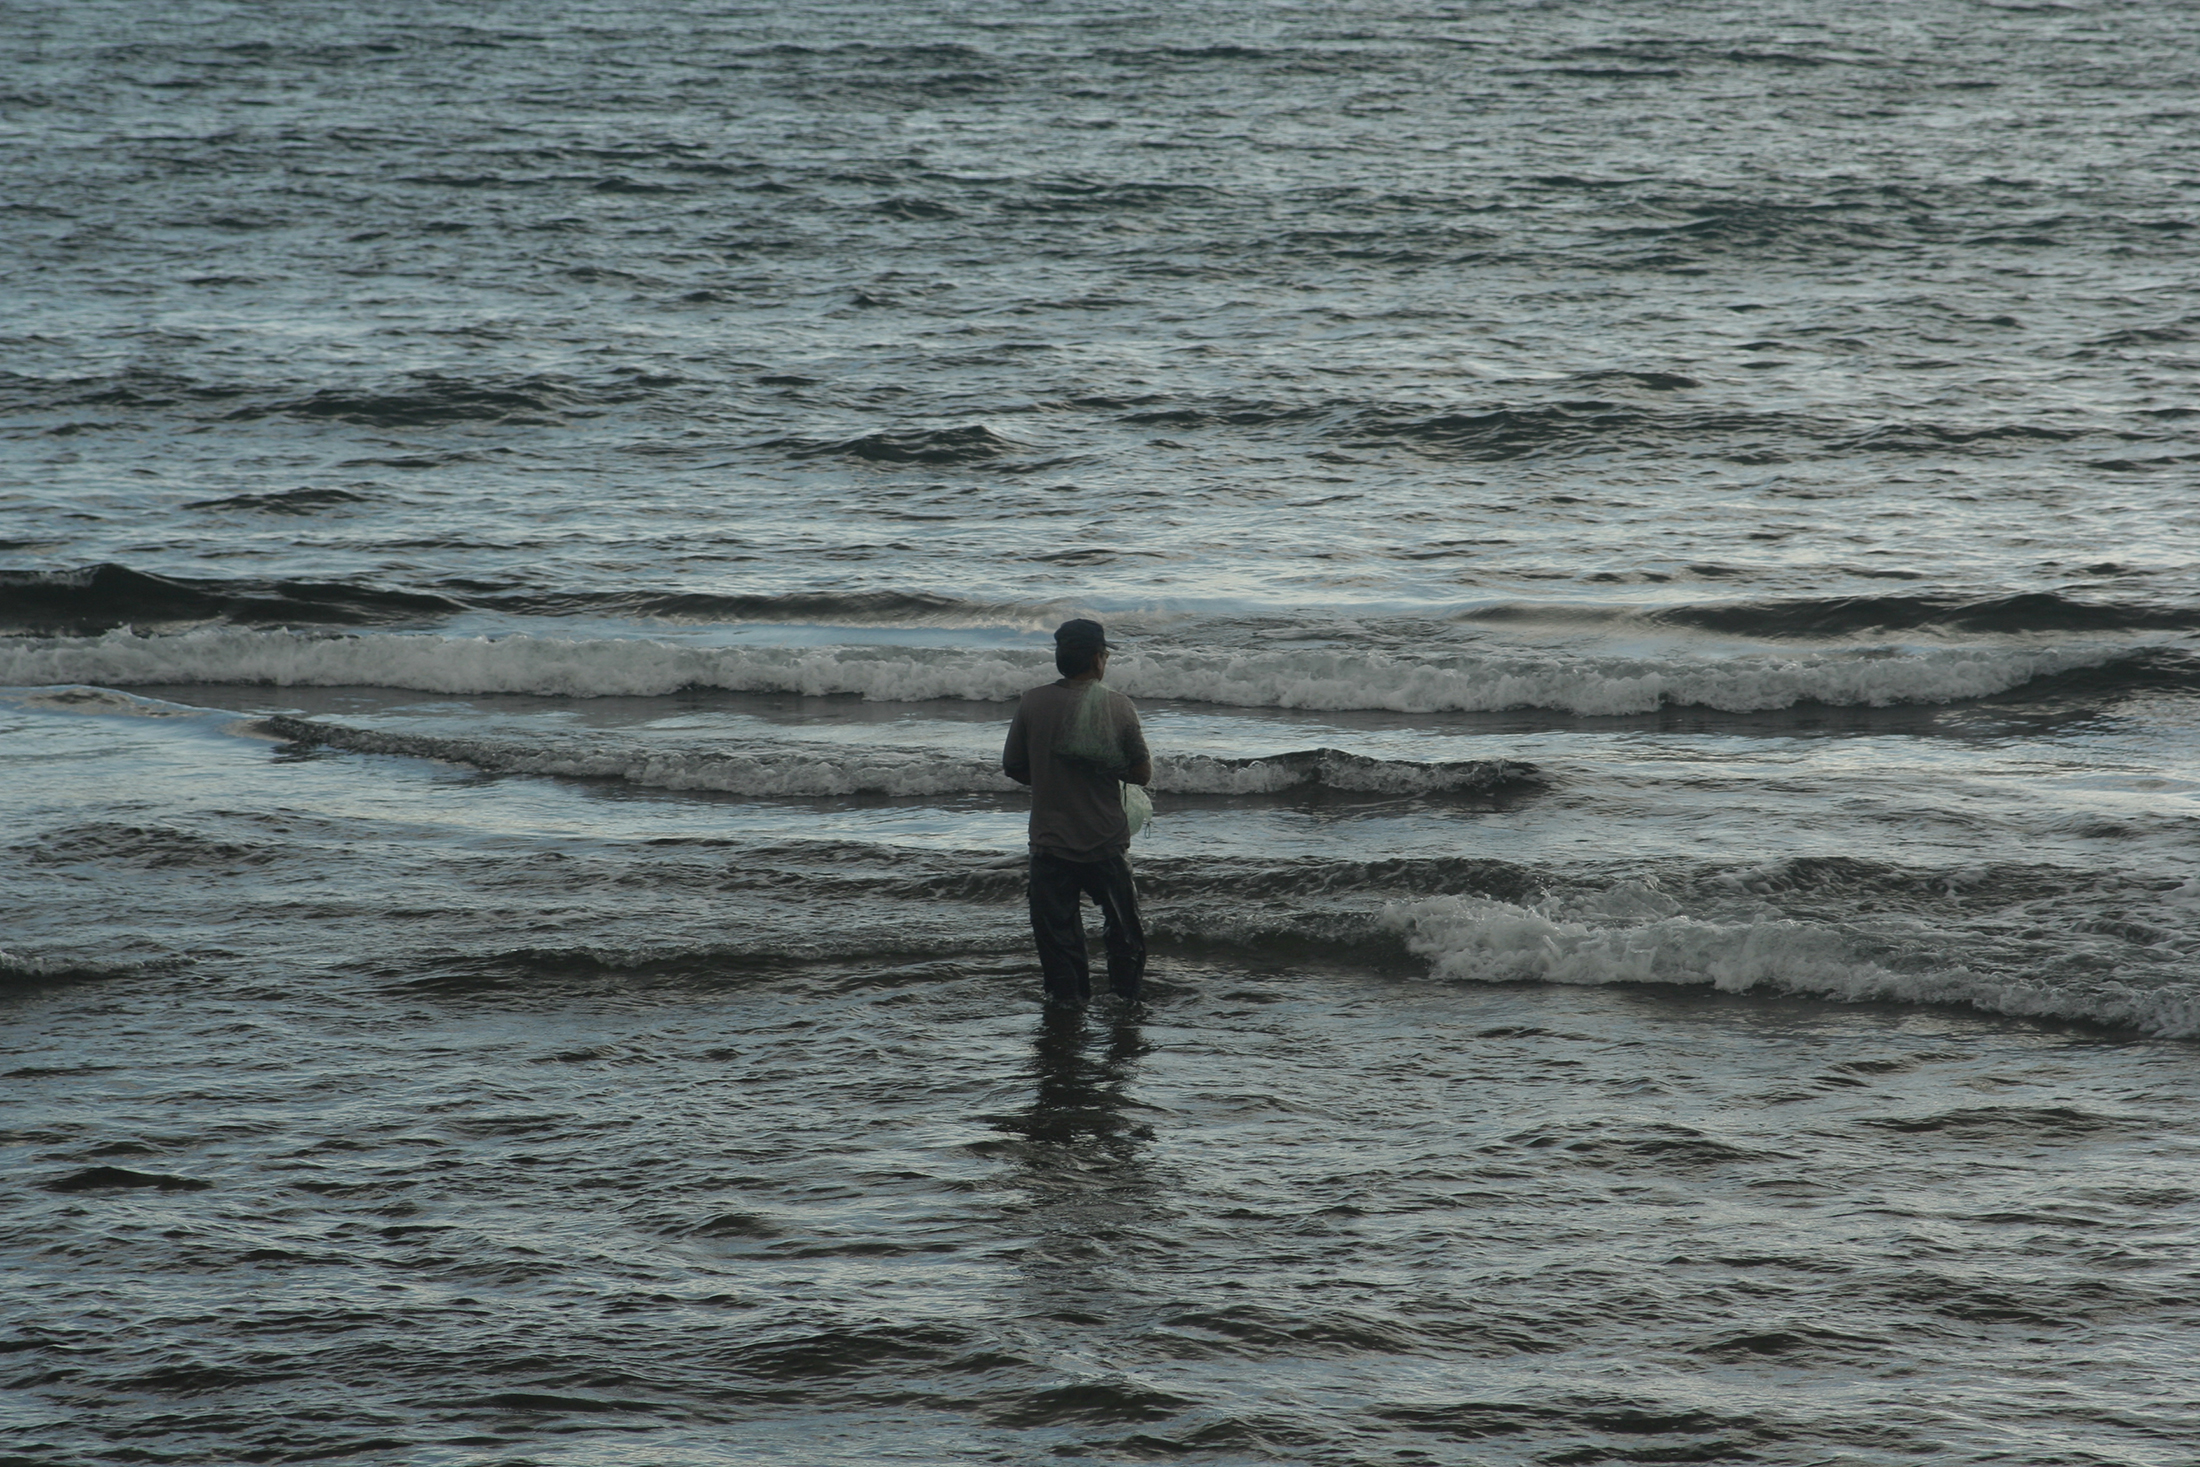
x: 1658, y: 547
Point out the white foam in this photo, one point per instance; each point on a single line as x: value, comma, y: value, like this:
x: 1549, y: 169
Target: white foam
x: 1308, y: 678
x: 1635, y: 935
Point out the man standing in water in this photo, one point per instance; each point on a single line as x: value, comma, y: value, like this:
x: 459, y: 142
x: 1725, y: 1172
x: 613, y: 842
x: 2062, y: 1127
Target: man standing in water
x: 1076, y: 742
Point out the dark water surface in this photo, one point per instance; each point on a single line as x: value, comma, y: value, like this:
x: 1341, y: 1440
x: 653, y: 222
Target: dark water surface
x: 1654, y: 545
x: 877, y: 1213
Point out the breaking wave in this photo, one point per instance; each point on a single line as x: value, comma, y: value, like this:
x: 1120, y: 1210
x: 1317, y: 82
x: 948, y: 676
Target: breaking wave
x: 1296, y: 678
x: 1636, y: 934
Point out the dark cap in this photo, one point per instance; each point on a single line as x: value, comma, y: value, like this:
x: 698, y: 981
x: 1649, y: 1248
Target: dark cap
x: 1081, y: 632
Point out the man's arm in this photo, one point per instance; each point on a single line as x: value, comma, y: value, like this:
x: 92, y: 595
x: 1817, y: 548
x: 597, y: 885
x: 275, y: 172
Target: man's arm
x: 1016, y: 753
x: 1137, y: 763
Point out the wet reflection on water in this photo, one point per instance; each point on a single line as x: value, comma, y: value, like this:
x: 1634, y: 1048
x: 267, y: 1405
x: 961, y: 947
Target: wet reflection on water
x: 1080, y: 1092
x: 1081, y: 1164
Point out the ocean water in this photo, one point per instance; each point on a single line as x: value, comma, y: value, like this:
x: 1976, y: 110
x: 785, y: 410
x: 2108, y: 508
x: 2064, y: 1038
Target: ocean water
x: 1655, y: 547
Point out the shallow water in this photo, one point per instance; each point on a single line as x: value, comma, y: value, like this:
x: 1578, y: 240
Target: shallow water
x: 837, y: 1213
x: 1653, y: 550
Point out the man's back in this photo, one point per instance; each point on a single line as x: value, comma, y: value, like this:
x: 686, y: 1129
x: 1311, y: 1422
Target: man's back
x: 1073, y: 741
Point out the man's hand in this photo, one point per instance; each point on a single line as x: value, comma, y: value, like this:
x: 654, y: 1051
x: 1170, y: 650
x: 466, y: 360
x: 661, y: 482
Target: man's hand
x: 1140, y: 773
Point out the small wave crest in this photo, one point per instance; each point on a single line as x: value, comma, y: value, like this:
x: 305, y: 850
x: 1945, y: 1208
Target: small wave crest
x: 1339, y: 770
x: 972, y: 444
x: 757, y: 773
x: 417, y: 400
x: 1306, y: 678
x: 25, y: 971
x: 1552, y: 428
x: 97, y: 598
x: 287, y: 501
x: 904, y: 772
x: 429, y: 401
x: 841, y: 609
x: 1848, y: 616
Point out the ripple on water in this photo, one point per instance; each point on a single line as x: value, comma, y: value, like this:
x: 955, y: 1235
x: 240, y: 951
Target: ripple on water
x: 1294, y: 1212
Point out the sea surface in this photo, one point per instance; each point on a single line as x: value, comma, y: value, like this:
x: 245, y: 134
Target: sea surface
x: 1656, y: 546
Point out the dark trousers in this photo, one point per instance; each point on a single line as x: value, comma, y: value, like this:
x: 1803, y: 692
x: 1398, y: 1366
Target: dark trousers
x: 1059, y: 928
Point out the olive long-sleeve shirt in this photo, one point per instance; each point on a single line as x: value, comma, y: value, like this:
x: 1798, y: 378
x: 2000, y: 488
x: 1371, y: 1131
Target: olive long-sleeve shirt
x: 1076, y: 800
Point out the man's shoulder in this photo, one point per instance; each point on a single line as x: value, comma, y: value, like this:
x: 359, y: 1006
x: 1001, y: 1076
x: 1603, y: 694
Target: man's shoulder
x: 1067, y: 695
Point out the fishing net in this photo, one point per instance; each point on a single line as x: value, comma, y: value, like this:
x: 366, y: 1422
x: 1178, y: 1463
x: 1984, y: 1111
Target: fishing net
x: 1094, y: 736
